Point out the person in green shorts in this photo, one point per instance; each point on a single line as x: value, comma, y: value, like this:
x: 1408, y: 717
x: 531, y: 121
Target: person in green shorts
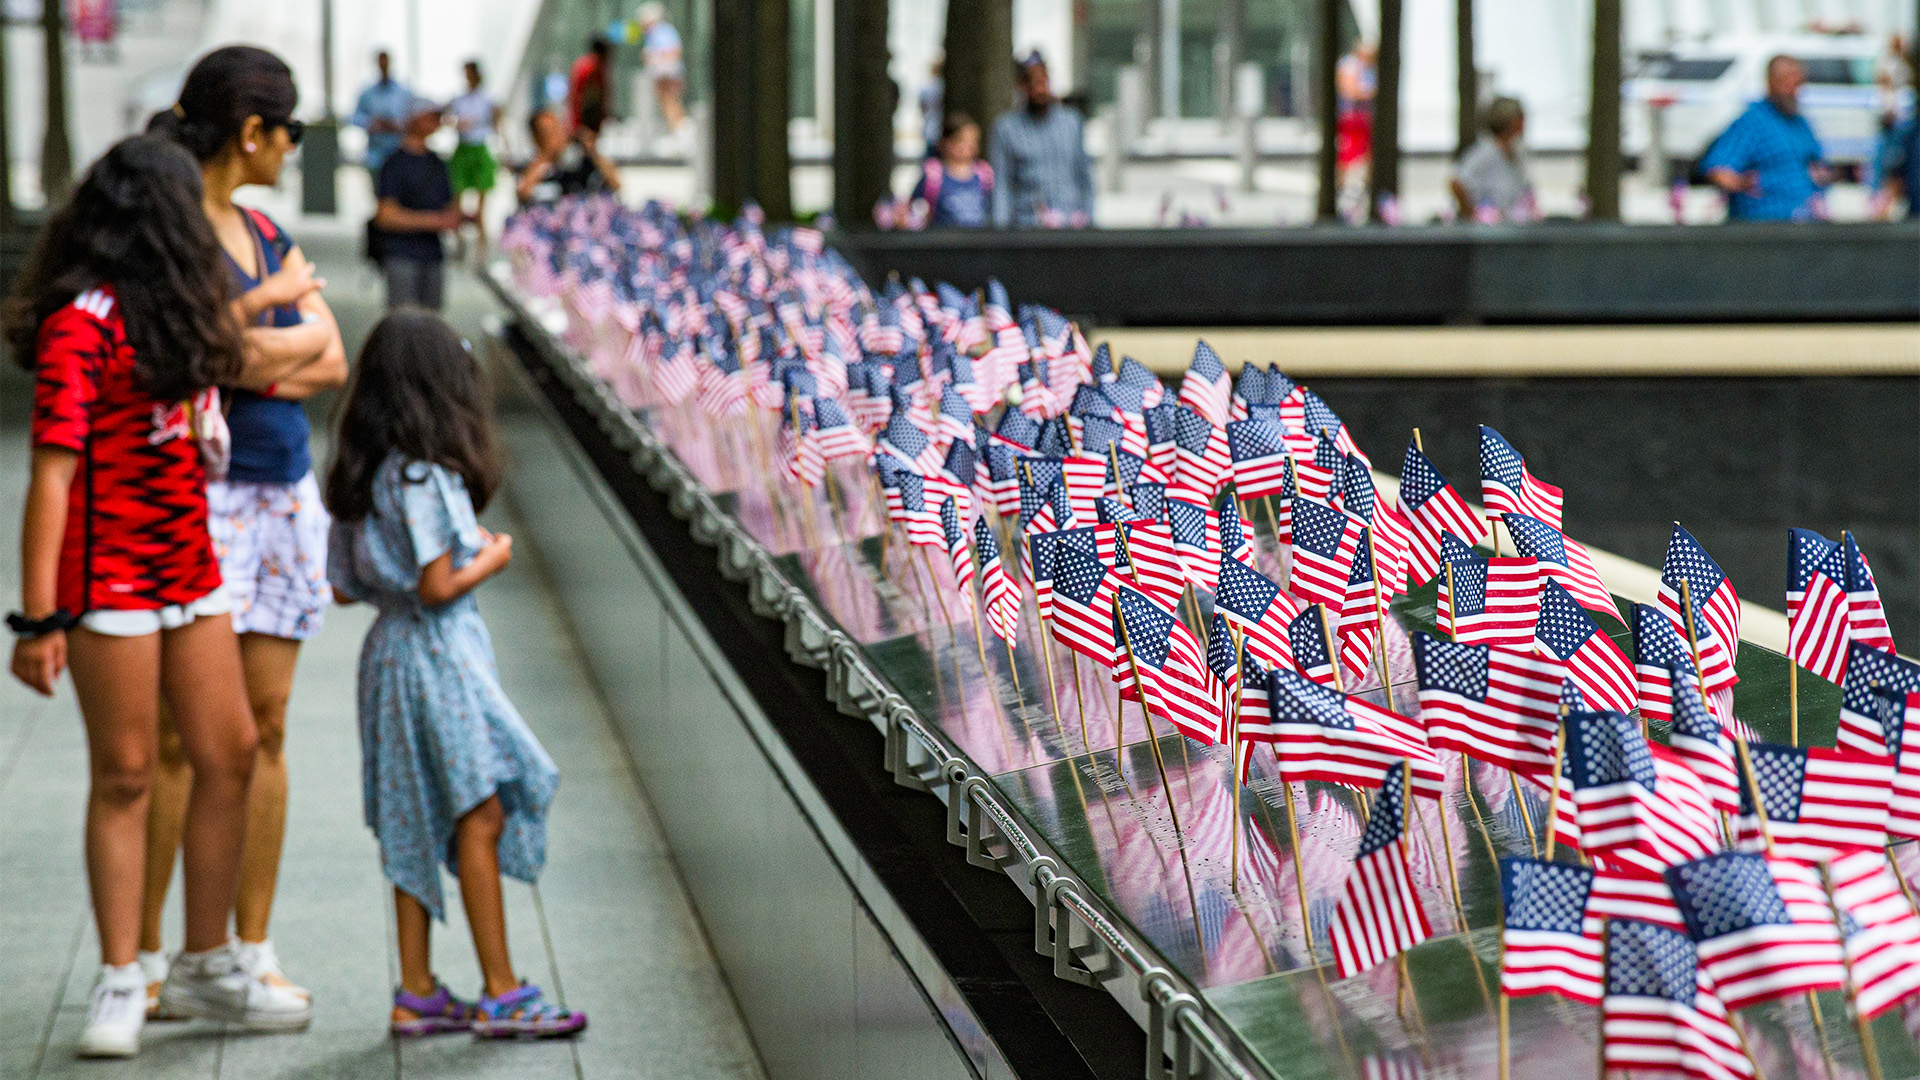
x: 475, y: 115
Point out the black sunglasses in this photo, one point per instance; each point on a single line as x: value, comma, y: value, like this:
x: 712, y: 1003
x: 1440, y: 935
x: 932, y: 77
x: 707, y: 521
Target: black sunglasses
x: 296, y: 130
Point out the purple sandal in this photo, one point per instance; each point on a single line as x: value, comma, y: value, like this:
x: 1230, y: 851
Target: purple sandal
x: 434, y: 1015
x: 521, y: 1013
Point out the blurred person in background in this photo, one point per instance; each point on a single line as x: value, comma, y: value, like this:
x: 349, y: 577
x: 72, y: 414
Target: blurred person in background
x: 565, y: 163
x: 1044, y: 176
x: 587, y: 84
x: 1902, y: 180
x: 662, y: 53
x: 931, y: 95
x: 382, y: 113
x: 1490, y: 184
x: 956, y: 187
x: 1893, y: 78
x: 416, y: 207
x: 1355, y: 80
x: 1769, y: 161
x: 475, y: 117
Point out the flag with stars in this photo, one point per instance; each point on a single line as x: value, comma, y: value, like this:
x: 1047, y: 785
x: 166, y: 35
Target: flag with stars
x: 1149, y: 499
x: 1761, y: 925
x: 1550, y: 943
x: 1900, y: 719
x: 998, y: 594
x: 1820, y: 802
x: 1563, y: 559
x: 1633, y: 800
x: 1320, y: 475
x: 1085, y: 479
x: 1157, y: 565
x: 906, y: 442
x: 1041, y: 550
x: 1206, y: 387
x: 1307, y: 638
x: 1866, y: 617
x: 1201, y: 458
x: 1253, y: 718
x: 1379, y: 915
x: 955, y: 420
x: 959, y: 550
x: 1169, y: 668
x: 1325, y: 542
x: 1716, y: 608
x: 1003, y: 477
x: 1432, y: 507
x: 1698, y: 741
x: 1660, y: 656
x: 1017, y: 431
x: 1485, y: 601
x: 1083, y: 592
x: 1196, y: 536
x: 1493, y: 704
x: 1817, y: 629
x: 1660, y: 1012
x: 921, y: 520
x: 1506, y: 485
x: 1360, y: 612
x: 1317, y: 416
x: 838, y: 436
x: 1259, y: 458
x: 1868, y: 668
x: 1259, y: 608
x: 1236, y: 538
x: 1134, y: 469
x: 1344, y: 739
x: 1882, y: 932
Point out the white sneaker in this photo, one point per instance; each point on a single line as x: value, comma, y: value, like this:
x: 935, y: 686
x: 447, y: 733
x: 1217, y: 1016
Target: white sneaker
x: 153, y: 966
x: 116, y: 1013
x: 260, y: 961
x: 214, y: 985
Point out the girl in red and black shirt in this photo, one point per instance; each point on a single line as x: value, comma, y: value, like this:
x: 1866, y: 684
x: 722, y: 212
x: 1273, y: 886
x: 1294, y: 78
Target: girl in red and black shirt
x: 122, y: 315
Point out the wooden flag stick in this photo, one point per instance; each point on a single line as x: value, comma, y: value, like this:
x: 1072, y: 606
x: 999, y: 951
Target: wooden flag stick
x: 1147, y: 718
x: 1870, y: 1054
x: 1380, y: 626
x: 1013, y: 669
x: 1239, y: 702
x: 1501, y: 940
x: 1273, y: 521
x: 1606, y: 940
x: 1293, y: 477
x: 1299, y: 871
x: 1793, y: 700
x: 1079, y: 697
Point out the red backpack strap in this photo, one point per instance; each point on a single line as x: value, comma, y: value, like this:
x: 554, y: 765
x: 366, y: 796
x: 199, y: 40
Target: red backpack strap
x: 935, y: 175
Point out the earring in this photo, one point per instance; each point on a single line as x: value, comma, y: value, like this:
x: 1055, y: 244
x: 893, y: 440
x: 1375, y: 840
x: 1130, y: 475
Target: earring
x: 250, y: 148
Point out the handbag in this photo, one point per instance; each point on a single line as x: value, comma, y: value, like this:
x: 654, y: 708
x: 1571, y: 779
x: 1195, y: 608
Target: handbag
x: 208, y: 422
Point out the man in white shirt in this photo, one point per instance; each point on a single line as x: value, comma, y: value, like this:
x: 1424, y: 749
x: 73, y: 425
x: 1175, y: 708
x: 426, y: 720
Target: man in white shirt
x: 475, y: 115
x: 661, y: 52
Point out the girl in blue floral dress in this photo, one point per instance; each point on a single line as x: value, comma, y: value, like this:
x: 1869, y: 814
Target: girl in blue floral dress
x: 451, y: 773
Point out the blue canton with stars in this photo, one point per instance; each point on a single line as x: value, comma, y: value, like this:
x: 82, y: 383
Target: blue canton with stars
x: 1298, y: 699
x: 1307, y: 634
x: 1356, y: 486
x: 1535, y: 538
x: 1540, y: 895
x: 1688, y: 561
x: 1657, y: 642
x: 1250, y: 439
x: 1859, y: 578
x: 1206, y: 363
x: 1111, y: 510
x: 1149, y: 499
x: 1041, y: 546
x: 1318, y: 528
x: 1244, y: 591
x: 1499, y: 461
x: 1232, y: 536
x: 1098, y: 435
x: 1189, y: 523
x: 1450, y: 668
x: 1384, y: 824
x: 1362, y: 571
x: 1220, y: 648
x: 1321, y: 417
x: 1572, y: 701
x: 1607, y: 748
x: 1726, y: 893
x: 1809, y: 553
x: 1161, y: 420
x: 1090, y: 401
x: 1690, y: 715
x: 1891, y: 709
x: 1644, y: 960
x: 1191, y: 431
x: 1781, y: 774
x: 1868, y: 667
x: 1419, y: 480
x: 1469, y: 576
x: 1149, y: 629
x: 1077, y: 575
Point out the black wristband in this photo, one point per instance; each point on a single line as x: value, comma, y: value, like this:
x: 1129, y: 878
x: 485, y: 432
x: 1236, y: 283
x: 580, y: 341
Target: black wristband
x: 33, y: 628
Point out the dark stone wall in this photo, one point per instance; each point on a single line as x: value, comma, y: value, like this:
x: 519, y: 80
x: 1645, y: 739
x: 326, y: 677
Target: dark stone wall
x: 1736, y: 461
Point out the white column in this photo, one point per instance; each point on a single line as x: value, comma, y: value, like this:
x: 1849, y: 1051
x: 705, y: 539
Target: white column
x: 1169, y: 46
x: 823, y: 73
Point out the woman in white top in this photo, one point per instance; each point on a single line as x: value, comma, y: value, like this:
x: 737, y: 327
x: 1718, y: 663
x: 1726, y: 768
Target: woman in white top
x: 1491, y: 184
x: 475, y: 114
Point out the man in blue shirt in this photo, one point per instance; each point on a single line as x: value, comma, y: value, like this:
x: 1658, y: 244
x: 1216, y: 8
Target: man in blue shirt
x: 1042, y: 174
x: 1768, y: 161
x: 383, y: 110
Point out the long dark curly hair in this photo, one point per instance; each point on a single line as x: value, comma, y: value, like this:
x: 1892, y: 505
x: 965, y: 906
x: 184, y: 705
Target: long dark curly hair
x: 225, y: 87
x: 416, y: 391
x: 135, y: 223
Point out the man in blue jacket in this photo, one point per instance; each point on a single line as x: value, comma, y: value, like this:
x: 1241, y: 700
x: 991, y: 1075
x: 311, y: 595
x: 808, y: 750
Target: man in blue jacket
x: 1768, y: 161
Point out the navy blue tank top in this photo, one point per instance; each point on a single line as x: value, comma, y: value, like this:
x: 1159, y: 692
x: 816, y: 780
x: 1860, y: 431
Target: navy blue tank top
x: 270, y: 435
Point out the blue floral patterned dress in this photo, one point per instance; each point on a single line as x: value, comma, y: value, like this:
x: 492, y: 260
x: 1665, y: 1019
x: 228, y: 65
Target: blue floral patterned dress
x: 437, y: 733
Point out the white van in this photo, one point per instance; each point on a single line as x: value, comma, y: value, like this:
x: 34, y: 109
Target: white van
x: 1699, y: 88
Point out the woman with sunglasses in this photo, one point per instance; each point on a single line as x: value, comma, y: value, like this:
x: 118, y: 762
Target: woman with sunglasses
x: 235, y: 115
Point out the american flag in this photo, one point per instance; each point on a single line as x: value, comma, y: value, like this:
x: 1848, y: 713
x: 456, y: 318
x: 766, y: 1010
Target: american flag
x: 1220, y: 657
x: 1660, y: 655
x: 1307, y: 639
x: 1171, y: 668
x: 1562, y: 559
x: 1550, y: 943
x: 1259, y: 608
x: 1324, y: 544
x: 1201, y: 458
x: 903, y: 439
x: 1236, y: 538
x: 1000, y: 597
x: 1633, y: 892
x: 1320, y: 474
x: 944, y: 483
x: 1626, y: 802
x: 1716, y: 608
x: 1494, y: 704
x: 1660, y: 1012
x: 959, y: 551
x: 1358, y: 496
x: 956, y: 416
x: 1698, y: 741
x: 1817, y: 627
x: 1149, y: 499
x: 1505, y: 483
x: 1882, y: 932
x: 1820, y: 802
x: 721, y: 392
x: 1255, y: 710
x: 1111, y: 511
x: 1486, y: 601
x: 1083, y: 592
x: 1392, y: 535
x: 1162, y: 445
x: 1085, y: 479
x: 1432, y: 507
x: 1360, y: 611
x: 1259, y: 458
x: 1317, y: 416
x: 1017, y: 430
x: 1865, y: 615
x: 1040, y: 550
x: 1207, y: 385
x: 1342, y: 739
x: 1379, y: 915
x: 1196, y: 536
x: 800, y: 455
x: 1900, y: 720
x: 1156, y: 562
x: 1869, y: 668
x: 922, y: 522
x: 837, y: 435
x: 1760, y: 932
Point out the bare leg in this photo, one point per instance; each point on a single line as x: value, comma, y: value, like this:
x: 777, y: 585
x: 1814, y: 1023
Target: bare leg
x: 415, y: 929
x: 117, y: 680
x: 268, y: 662
x: 480, y: 222
x: 201, y: 676
x: 166, y: 816
x: 477, y: 845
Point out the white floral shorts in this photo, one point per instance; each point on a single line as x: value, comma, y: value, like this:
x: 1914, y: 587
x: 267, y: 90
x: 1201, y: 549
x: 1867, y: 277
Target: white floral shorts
x: 272, y: 543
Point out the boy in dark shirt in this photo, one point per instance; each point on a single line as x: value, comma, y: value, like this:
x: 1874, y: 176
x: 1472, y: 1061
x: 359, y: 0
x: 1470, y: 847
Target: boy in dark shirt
x: 416, y: 205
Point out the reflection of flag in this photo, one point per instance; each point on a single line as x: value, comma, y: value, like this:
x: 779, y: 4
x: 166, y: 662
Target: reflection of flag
x: 1379, y: 915
x: 1716, y: 607
x: 1882, y: 932
x: 1820, y: 802
x: 1869, y: 669
x: 1816, y: 604
x: 1505, y: 483
x: 1660, y: 1011
x: 1562, y: 559
x: 1761, y: 926
x: 1496, y: 705
x: 1596, y: 665
x: 1432, y: 507
x: 1550, y: 944
x: 1866, y: 618
x: 1487, y: 601
x: 1001, y: 599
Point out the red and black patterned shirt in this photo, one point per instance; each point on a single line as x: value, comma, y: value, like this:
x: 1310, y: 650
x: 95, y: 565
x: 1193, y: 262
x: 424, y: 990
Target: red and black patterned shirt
x: 136, y: 533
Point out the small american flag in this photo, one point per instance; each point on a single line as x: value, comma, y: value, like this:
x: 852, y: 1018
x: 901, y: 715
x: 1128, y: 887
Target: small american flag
x: 1207, y: 385
x: 1550, y: 943
x: 1865, y: 616
x: 1562, y: 559
x: 1900, y: 720
x: 1869, y: 668
x: 1817, y: 626
x: 1259, y: 458
x: 1761, y: 926
x: 1497, y: 705
x: 838, y: 437
x: 1320, y: 474
x: 1000, y: 597
x: 1083, y: 592
x: 1157, y: 564
x: 1085, y: 479
x: 1017, y: 430
x: 1625, y: 801
x: 1342, y: 739
x: 959, y: 550
x: 1432, y: 507
x: 1325, y: 542
x: 1820, y: 802
x: 1149, y: 499
x: 921, y: 521
x: 1633, y: 892
x: 1506, y: 485
x: 1196, y: 536
x: 1170, y: 667
x: 1716, y: 614
x: 956, y: 416
x: 1259, y: 608
x: 800, y: 454
x: 1660, y: 1012
x: 903, y: 439
x: 1360, y: 614
x: 1486, y: 601
x: 1307, y: 638
x: 1882, y: 932
x: 1660, y: 656
x: 1201, y: 458
x: 1379, y: 915
x: 1236, y: 538
x: 1698, y: 741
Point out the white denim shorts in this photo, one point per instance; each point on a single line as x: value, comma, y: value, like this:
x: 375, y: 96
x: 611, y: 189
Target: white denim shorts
x: 153, y: 620
x: 271, y: 540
